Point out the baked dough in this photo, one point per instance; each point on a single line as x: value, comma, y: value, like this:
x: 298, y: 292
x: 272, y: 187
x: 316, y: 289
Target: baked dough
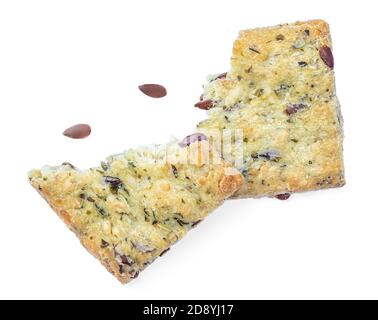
x: 136, y: 205
x: 280, y: 94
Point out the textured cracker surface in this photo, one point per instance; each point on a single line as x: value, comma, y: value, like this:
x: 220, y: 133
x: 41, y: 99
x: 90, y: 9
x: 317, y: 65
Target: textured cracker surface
x: 271, y: 69
x: 132, y: 208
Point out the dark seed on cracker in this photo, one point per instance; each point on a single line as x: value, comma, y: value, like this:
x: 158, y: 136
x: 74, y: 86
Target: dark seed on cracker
x: 104, y: 244
x: 194, y: 224
x: 113, y: 182
x: 325, y: 53
x: 221, y: 76
x: 126, y: 260
x: 280, y: 37
x: 204, y: 104
x: 283, y: 196
x: 68, y: 165
x: 269, y: 155
x: 293, y: 108
x: 174, y: 170
x: 188, y: 140
x: 164, y: 251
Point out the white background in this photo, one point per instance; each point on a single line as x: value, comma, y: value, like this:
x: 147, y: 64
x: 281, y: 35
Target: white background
x: 66, y: 62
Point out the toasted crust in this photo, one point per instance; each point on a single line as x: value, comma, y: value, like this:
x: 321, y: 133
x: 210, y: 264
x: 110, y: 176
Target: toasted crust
x: 132, y: 208
x: 280, y: 92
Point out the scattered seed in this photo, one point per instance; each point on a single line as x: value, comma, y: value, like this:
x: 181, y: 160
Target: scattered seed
x: 78, y: 131
x: 302, y: 63
x: 204, y: 104
x: 153, y: 90
x: 325, y: 53
x: 283, y: 196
